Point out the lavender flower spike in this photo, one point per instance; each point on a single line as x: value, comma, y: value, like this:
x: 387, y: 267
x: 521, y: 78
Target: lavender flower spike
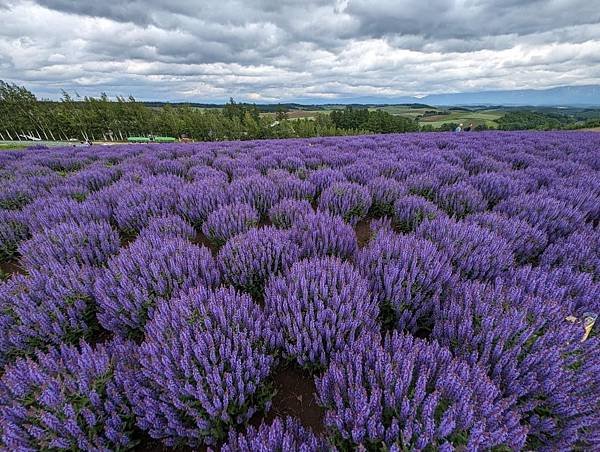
x: 203, y: 368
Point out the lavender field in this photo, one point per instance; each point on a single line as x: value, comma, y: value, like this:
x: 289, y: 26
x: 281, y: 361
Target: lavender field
x: 402, y: 292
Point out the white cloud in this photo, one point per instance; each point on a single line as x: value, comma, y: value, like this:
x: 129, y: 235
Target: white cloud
x: 266, y: 50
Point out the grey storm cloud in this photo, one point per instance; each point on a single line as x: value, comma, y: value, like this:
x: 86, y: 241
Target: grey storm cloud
x: 284, y: 50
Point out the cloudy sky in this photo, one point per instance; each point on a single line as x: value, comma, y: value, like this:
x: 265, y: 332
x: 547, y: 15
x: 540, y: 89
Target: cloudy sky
x: 279, y: 50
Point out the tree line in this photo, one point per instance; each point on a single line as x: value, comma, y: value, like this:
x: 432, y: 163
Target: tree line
x: 22, y: 115
x: 376, y: 121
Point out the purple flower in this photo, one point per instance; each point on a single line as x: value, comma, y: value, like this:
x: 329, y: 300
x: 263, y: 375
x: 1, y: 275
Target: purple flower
x: 228, y: 221
x: 407, y: 275
x: 286, y: 212
x: 556, y: 218
x: 13, y: 231
x: 90, y: 244
x: 249, y: 259
x: 346, y: 199
x: 484, y: 164
x: 258, y: 191
x: 400, y: 170
x: 449, y: 174
x: 170, y: 166
x: 281, y: 435
x: 542, y: 176
x: 152, y: 268
x: 198, y: 200
x: 575, y: 291
x: 360, y: 173
x: 48, y: 307
x: 477, y: 253
x: 527, y: 349
x: 16, y: 194
x: 424, y: 184
x: 408, y: 394
x: 45, y: 213
x: 384, y: 192
x: 411, y: 211
x: 201, y: 173
x: 526, y: 241
x: 291, y: 186
x: 496, y: 187
x: 319, y: 307
x: 155, y: 196
x: 94, y: 178
x: 323, y: 234
x: 583, y: 198
x: 203, y: 367
x: 106, y: 199
x: 460, y: 199
x: 169, y: 226
x: 68, y: 398
x: 579, y: 251
x: 323, y: 178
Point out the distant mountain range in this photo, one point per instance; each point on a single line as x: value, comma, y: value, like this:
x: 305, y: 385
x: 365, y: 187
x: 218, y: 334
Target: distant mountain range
x: 571, y: 96
x: 568, y: 96
x: 588, y: 95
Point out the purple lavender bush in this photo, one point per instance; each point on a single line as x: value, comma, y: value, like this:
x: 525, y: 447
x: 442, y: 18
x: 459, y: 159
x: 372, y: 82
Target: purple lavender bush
x: 409, y: 394
x: 583, y: 199
x: 323, y: 234
x: 410, y: 211
x: 543, y: 177
x: 527, y: 242
x: 579, y: 251
x: 575, y: 291
x: 384, y: 192
x: 192, y: 387
x: 483, y: 164
x: 346, y: 199
x: 291, y: 186
x: 149, y: 199
x: 286, y: 212
x: 460, y: 200
x: 496, y: 187
x: 198, y: 200
x: 13, y: 231
x: 477, y: 253
x: 556, y: 218
x: 406, y: 275
x: 45, y: 213
x: 449, y: 174
x: 400, y: 169
x: 258, y: 191
x: 94, y: 178
x: 228, y: 221
x: 324, y: 177
x: 424, y: 184
x: 528, y: 350
x: 281, y: 435
x: 360, y: 172
x: 150, y: 269
x: 168, y: 226
x: 46, y: 308
x: 205, y: 174
x: 16, y: 194
x: 318, y: 307
x: 68, y: 189
x: 247, y: 260
x: 68, y: 399
x: 106, y: 199
x: 89, y: 244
